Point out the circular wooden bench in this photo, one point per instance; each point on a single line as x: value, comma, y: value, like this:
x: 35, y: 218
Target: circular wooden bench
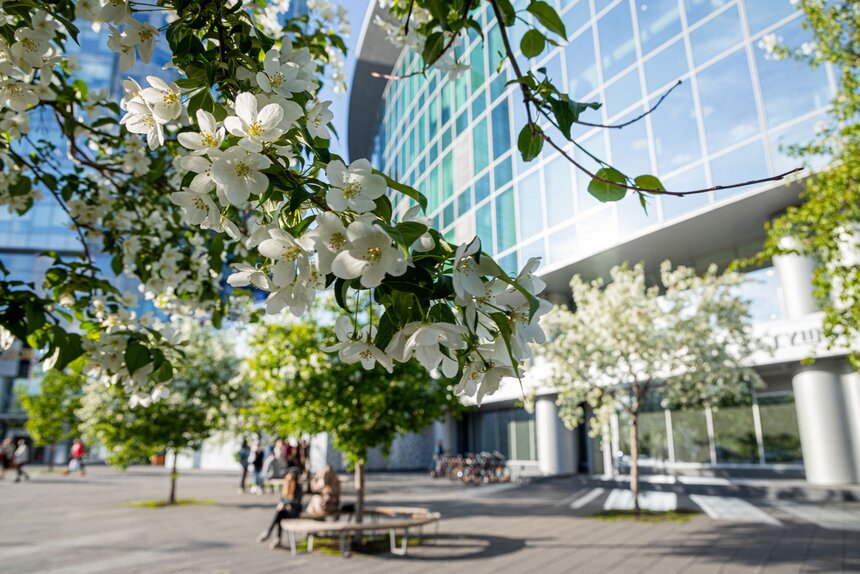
x: 382, y: 518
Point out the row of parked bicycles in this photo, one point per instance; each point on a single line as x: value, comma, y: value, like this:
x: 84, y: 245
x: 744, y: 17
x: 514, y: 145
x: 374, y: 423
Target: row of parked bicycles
x: 472, y: 468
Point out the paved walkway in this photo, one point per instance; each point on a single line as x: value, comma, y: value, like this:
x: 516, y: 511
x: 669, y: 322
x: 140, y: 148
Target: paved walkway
x: 57, y: 524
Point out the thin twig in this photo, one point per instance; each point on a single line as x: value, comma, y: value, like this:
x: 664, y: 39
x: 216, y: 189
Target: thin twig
x: 408, y: 17
x: 637, y: 118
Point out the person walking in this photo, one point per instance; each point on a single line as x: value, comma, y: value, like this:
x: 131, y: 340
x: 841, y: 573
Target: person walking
x: 7, y: 453
x: 244, y: 458
x: 259, y: 459
x: 22, y: 457
x: 76, y: 458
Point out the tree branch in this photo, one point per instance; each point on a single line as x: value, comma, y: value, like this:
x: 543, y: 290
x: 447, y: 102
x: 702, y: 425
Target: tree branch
x: 637, y: 118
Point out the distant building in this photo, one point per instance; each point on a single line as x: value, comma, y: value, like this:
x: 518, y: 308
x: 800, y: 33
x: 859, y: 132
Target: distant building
x: 728, y: 121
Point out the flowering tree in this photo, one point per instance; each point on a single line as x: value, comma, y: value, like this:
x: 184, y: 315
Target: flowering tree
x: 299, y: 389
x: 52, y: 412
x: 202, y: 396
x: 223, y: 163
x: 690, y: 337
x: 826, y: 225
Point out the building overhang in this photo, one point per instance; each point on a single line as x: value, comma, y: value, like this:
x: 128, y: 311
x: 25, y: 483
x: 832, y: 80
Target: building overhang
x: 374, y: 54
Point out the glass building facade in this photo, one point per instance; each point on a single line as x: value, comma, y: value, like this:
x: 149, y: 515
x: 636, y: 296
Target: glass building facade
x: 729, y: 120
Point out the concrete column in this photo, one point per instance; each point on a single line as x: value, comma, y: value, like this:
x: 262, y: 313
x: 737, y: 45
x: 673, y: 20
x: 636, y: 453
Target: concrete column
x: 443, y: 430
x: 556, y: 444
x: 851, y: 393
x: 795, y: 278
x: 825, y: 431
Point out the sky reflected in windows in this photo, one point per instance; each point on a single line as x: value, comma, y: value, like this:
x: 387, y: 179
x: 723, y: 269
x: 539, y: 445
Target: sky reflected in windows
x: 744, y: 164
x: 667, y: 66
x: 676, y: 135
x: 616, y: 40
x: 675, y: 206
x: 559, y: 190
x: 716, y: 36
x: 659, y: 20
x: 728, y: 103
x: 581, y: 65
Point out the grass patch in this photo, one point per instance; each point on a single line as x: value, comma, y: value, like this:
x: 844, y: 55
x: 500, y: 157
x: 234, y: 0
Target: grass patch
x: 647, y: 516
x: 161, y: 503
x: 368, y: 545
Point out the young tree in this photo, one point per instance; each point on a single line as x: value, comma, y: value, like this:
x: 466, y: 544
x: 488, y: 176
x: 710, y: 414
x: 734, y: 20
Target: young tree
x: 223, y: 161
x: 178, y: 416
x: 52, y: 413
x: 299, y: 388
x: 690, y: 337
x: 826, y: 226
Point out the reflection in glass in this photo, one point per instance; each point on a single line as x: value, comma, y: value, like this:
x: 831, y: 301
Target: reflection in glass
x: 484, y: 226
x: 530, y: 208
x: 501, y: 129
x: 762, y: 289
x: 689, y: 180
x: 559, y: 190
x: 716, y: 36
x: 798, y: 134
x: 728, y: 104
x: 659, y: 20
x: 760, y: 14
x: 576, y: 17
x: 506, y: 231
x: 562, y: 245
x: 666, y: 67
x: 690, y: 435
x: 630, y: 151
x: 676, y: 135
x: 652, y: 435
x: 734, y: 434
x: 480, y: 146
x: 595, y: 145
x: 779, y: 429
x: 581, y: 65
x: 533, y: 249
x: 790, y: 89
x: 617, y: 47
x: 698, y: 9
x: 622, y: 94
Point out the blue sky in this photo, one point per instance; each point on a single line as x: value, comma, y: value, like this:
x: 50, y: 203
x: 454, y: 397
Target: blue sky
x: 340, y: 106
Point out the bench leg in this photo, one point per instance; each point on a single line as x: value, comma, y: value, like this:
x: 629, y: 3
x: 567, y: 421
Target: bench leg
x: 392, y: 538
x: 292, y: 536
x: 345, y: 543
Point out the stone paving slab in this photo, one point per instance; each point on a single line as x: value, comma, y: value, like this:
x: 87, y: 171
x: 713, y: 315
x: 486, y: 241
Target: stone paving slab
x: 57, y: 524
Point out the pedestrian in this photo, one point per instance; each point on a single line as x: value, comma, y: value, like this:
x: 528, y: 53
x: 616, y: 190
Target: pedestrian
x: 259, y: 459
x: 22, y: 457
x: 290, y: 506
x: 76, y: 458
x: 7, y: 453
x: 244, y: 458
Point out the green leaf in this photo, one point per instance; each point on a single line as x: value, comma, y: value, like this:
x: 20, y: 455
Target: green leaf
x: 548, y: 17
x: 410, y: 231
x: 606, y: 191
x: 433, y: 47
x: 405, y: 189
x: 136, y: 355
x: 509, y: 15
x: 383, y: 208
x: 341, y: 288
x: 533, y: 43
x: 529, y: 143
x: 649, y: 182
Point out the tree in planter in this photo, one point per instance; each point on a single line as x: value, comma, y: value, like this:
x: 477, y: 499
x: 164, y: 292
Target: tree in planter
x: 52, y: 413
x: 690, y: 336
x: 198, y: 400
x: 826, y: 225
x: 299, y: 388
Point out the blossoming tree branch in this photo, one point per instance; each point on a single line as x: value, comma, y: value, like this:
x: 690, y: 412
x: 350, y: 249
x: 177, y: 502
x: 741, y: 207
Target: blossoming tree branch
x: 222, y: 166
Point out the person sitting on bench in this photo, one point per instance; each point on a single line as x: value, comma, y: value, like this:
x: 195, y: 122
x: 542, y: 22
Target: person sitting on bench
x: 290, y: 505
x: 326, y: 488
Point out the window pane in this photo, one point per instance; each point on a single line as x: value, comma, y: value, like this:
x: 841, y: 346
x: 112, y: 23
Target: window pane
x: 617, y: 48
x: 502, y: 172
x: 448, y: 176
x: 562, y: 245
x: 622, y: 93
x: 530, y: 208
x: 667, y: 66
x: 652, y: 435
x: 482, y: 188
x: 501, y: 129
x: 744, y: 164
x: 798, y: 134
x: 698, y: 9
x: 484, y: 226
x: 480, y: 146
x: 581, y: 65
x: 476, y: 67
x: 506, y: 232
x: 761, y: 288
x: 717, y: 36
x: 576, y: 17
x: 690, y: 435
x: 595, y: 145
x: 630, y: 146
x: 734, y: 434
x: 790, y: 89
x: 689, y: 180
x: 533, y: 249
x: 779, y: 429
x: 676, y: 135
x: 631, y: 216
x: 559, y: 190
x: 659, y: 20
x: 728, y: 103
x: 762, y: 14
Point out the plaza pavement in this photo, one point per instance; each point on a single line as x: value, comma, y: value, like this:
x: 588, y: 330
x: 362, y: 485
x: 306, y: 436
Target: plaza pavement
x: 56, y: 524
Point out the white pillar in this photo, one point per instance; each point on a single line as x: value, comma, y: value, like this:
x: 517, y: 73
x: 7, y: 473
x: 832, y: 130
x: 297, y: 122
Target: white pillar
x: 851, y: 393
x: 556, y: 444
x: 795, y: 278
x: 825, y: 431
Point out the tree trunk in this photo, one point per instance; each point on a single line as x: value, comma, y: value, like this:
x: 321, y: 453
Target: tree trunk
x: 173, y: 476
x: 51, y: 451
x: 634, y: 460
x: 359, y: 491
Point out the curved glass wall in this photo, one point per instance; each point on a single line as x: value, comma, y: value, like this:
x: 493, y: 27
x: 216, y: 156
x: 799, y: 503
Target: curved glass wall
x: 728, y: 121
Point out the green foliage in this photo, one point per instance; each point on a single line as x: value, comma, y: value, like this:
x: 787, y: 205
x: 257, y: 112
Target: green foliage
x: 52, y: 413
x: 202, y: 396
x: 300, y: 389
x: 826, y: 225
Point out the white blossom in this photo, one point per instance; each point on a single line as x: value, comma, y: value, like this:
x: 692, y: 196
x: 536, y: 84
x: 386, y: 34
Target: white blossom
x: 238, y: 171
x: 253, y: 127
x: 354, y: 187
x: 370, y: 255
